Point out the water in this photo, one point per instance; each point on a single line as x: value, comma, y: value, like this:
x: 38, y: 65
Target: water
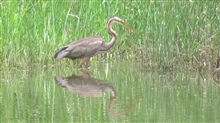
x: 108, y: 92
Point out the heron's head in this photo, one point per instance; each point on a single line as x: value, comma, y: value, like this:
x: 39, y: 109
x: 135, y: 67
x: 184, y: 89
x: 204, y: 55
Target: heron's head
x: 115, y: 20
x: 120, y: 21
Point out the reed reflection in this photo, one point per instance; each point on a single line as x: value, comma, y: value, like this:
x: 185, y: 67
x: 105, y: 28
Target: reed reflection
x: 87, y: 86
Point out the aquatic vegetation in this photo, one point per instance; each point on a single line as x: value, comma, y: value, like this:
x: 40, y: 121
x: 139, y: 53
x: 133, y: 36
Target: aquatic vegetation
x: 169, y: 32
x: 167, y: 72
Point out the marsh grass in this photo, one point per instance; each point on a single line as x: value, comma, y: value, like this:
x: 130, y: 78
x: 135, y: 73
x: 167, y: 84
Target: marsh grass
x: 168, y: 32
x: 171, y: 35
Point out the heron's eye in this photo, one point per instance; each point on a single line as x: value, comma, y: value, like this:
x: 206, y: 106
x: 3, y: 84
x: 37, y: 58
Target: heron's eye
x: 119, y: 19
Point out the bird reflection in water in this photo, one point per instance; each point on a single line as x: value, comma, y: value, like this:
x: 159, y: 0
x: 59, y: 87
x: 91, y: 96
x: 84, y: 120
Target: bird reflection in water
x: 87, y: 86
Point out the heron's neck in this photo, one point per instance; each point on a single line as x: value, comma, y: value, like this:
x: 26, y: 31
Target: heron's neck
x: 112, y: 32
x: 113, y: 35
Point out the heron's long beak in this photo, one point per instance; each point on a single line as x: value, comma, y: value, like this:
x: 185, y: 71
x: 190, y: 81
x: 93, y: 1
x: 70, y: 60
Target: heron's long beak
x: 128, y: 27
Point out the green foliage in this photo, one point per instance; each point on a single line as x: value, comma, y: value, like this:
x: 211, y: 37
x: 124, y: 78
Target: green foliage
x: 170, y: 34
x: 32, y: 31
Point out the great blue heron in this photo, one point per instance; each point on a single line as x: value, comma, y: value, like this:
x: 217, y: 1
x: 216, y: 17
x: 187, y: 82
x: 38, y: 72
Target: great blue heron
x: 87, y: 47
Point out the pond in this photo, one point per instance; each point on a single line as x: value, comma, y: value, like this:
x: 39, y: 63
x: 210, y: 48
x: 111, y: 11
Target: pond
x: 107, y: 92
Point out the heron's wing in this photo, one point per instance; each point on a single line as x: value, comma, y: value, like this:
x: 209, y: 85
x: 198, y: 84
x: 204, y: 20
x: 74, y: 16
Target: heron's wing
x: 61, y: 53
x: 84, y: 49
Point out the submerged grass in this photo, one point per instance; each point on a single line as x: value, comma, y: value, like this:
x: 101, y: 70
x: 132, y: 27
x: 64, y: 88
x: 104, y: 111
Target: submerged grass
x: 169, y: 32
x: 171, y: 35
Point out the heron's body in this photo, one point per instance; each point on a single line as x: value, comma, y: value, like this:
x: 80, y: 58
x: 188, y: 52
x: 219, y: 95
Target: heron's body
x: 87, y: 47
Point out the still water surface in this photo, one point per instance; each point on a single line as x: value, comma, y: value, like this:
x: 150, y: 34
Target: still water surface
x: 108, y: 92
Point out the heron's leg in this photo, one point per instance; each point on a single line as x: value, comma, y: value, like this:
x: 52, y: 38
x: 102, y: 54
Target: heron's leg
x: 87, y: 62
x: 84, y: 60
x: 85, y: 73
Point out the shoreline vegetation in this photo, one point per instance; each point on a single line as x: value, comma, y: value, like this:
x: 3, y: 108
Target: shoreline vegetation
x: 164, y: 73
x: 170, y: 34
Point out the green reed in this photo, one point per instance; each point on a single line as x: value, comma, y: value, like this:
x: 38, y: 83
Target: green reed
x: 168, y: 34
x: 32, y: 31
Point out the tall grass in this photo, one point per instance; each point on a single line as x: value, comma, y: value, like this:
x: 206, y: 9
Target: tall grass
x: 32, y: 31
x: 168, y: 34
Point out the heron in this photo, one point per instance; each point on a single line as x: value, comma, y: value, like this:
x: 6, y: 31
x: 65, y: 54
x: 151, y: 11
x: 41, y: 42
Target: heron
x: 88, y: 47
